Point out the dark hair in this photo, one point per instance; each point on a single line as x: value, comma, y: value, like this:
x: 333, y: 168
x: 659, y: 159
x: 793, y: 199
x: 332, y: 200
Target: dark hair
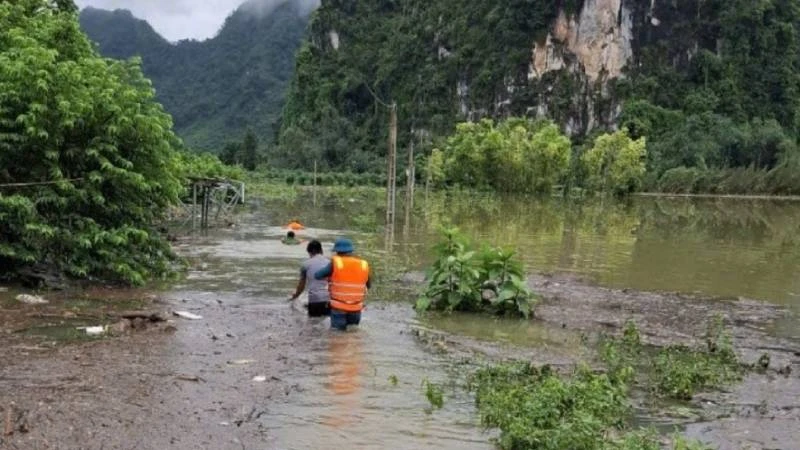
x: 290, y: 234
x: 314, y: 247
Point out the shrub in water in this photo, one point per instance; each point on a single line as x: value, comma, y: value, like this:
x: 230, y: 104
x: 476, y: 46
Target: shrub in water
x: 463, y: 280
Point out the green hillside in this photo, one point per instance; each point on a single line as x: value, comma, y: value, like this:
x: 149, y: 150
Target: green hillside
x: 218, y: 88
x: 712, y: 84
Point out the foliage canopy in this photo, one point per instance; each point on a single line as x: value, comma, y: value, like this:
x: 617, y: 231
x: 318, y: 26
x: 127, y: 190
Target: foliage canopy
x: 88, y: 129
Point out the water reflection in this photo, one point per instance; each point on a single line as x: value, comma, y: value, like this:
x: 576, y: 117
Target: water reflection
x: 345, y: 360
x: 719, y: 247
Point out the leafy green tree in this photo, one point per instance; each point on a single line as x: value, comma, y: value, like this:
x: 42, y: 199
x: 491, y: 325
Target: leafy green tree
x: 517, y: 155
x: 250, y: 151
x: 87, y: 159
x: 615, y: 163
x: 232, y: 153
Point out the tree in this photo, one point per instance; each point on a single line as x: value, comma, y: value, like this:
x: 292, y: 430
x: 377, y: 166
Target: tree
x: 615, y: 163
x: 249, y: 150
x: 231, y: 153
x: 95, y: 152
x: 517, y: 155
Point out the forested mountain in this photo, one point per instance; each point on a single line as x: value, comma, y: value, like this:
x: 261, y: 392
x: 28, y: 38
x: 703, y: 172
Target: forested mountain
x: 218, y: 88
x: 711, y: 84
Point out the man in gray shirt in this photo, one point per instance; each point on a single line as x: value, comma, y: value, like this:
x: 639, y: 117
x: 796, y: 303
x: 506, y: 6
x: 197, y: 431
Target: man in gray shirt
x: 318, y: 299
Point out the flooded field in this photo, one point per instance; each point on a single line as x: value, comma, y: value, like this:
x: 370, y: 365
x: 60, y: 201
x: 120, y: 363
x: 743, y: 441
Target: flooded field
x: 596, y: 265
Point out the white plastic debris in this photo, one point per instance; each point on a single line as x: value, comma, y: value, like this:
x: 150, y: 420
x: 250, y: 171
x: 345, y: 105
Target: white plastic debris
x: 94, y: 331
x: 260, y: 378
x: 187, y: 315
x: 29, y: 299
x: 241, y: 362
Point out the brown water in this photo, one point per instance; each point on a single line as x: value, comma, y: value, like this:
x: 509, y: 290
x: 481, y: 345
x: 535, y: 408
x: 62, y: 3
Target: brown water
x: 714, y: 247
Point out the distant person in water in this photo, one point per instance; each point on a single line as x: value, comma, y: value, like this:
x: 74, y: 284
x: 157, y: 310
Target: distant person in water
x: 295, y: 225
x: 290, y: 239
x: 318, y: 299
x: 348, y: 281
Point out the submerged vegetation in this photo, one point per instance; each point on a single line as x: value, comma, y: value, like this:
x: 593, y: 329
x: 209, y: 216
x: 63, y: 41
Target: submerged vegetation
x: 676, y: 371
x: 463, y: 279
x: 538, y: 408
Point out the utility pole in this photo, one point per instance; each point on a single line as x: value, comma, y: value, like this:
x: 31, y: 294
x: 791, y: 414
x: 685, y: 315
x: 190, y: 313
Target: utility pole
x: 410, y: 180
x: 391, y: 172
x: 315, y: 182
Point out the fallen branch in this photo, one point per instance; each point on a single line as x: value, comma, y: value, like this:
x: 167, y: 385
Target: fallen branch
x: 194, y: 378
x: 8, y: 430
x: 146, y: 315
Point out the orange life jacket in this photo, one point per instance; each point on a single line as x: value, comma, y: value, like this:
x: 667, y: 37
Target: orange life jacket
x: 348, y: 283
x: 295, y: 226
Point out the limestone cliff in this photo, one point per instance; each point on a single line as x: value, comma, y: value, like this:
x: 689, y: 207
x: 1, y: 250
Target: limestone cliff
x: 573, y: 61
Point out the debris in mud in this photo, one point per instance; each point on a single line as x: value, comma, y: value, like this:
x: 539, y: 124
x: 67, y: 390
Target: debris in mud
x: 149, y: 316
x: 29, y: 299
x: 94, y: 331
x: 260, y: 378
x: 14, y: 420
x: 241, y: 362
x: 187, y: 315
x: 193, y: 378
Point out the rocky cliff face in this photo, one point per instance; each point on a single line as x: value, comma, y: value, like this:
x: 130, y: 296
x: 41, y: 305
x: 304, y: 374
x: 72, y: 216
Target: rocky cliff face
x: 572, y: 61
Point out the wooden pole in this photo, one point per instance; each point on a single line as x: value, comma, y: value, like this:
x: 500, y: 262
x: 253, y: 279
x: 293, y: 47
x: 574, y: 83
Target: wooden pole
x: 412, y: 175
x: 391, y: 173
x: 194, y: 205
x: 315, y: 182
x: 409, y: 203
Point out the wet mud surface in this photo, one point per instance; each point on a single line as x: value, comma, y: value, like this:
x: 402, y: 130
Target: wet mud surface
x: 193, y: 383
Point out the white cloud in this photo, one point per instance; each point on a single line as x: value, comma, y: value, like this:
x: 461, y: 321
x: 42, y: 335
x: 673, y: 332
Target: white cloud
x: 184, y: 19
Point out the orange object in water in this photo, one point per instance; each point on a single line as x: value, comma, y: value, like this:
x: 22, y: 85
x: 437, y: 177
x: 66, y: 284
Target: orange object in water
x: 348, y: 284
x: 294, y: 225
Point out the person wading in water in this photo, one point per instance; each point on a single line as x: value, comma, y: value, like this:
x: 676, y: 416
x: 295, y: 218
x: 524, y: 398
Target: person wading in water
x: 291, y: 239
x: 348, y: 281
x: 317, y: 289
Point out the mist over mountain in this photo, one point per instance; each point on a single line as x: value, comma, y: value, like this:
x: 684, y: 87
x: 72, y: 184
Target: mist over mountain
x: 218, y: 88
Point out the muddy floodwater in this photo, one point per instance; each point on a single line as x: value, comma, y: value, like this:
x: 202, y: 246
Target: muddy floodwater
x: 254, y: 372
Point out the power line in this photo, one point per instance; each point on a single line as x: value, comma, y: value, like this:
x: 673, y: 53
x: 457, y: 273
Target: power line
x: 39, y: 183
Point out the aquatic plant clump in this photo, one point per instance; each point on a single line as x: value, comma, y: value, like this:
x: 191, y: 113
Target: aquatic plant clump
x: 676, y: 371
x: 463, y: 279
x: 536, y: 408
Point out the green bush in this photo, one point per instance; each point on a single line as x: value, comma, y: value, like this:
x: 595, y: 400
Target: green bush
x: 680, y: 180
x: 89, y: 130
x: 616, y: 163
x: 462, y: 279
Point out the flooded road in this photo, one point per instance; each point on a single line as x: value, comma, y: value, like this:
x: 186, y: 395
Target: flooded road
x: 361, y: 389
x: 198, y: 384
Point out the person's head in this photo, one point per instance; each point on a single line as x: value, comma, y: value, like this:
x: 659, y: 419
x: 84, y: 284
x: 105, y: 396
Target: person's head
x: 290, y: 235
x: 343, y: 246
x: 314, y: 248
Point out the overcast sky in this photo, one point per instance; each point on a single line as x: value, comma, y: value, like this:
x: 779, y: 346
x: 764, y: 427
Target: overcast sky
x: 179, y: 19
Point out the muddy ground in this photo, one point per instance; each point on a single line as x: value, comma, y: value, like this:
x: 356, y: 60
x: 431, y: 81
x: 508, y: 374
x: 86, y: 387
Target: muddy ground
x: 190, y: 384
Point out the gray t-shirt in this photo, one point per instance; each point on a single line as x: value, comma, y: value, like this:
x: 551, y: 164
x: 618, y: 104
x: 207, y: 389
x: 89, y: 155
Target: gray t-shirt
x: 317, y: 289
